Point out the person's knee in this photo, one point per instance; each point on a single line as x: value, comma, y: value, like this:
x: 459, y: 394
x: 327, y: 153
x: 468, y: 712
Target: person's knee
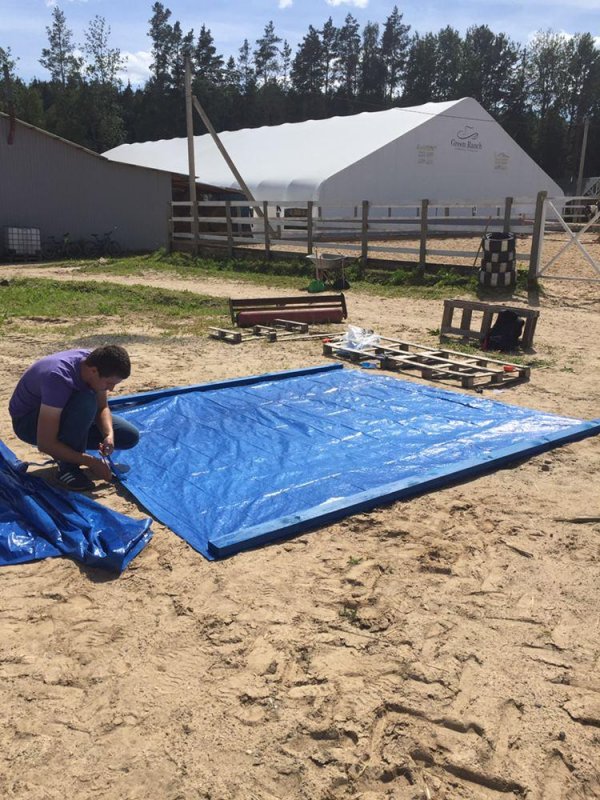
x: 126, y: 437
x: 130, y: 439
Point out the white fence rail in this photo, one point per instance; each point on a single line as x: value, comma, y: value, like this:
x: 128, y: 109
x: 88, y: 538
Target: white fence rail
x: 574, y: 218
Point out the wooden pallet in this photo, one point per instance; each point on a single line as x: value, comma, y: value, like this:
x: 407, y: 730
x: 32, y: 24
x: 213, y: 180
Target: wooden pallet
x: 433, y: 363
x: 278, y: 330
x: 488, y: 311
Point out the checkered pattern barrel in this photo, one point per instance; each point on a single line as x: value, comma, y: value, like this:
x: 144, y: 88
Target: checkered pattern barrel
x: 498, y: 265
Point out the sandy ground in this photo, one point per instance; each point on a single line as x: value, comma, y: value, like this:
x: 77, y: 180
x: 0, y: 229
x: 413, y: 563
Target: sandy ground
x: 447, y: 647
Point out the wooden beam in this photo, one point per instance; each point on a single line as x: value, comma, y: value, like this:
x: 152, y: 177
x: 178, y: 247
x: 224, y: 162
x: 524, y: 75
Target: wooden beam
x: 189, y: 120
x: 423, y: 242
x: 508, y: 203
x: 364, y: 249
x: 229, y: 228
x: 228, y: 160
x: 538, y: 237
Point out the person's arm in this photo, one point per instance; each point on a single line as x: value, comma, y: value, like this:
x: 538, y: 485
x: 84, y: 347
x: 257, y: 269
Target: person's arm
x: 48, y: 442
x: 104, y: 423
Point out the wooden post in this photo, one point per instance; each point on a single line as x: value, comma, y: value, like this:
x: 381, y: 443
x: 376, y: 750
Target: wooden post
x: 189, y: 119
x: 364, y: 235
x: 507, y: 214
x: 171, y: 227
x: 538, y: 237
x: 309, y: 227
x: 423, y: 243
x: 267, y: 231
x: 229, y: 228
x: 586, y: 127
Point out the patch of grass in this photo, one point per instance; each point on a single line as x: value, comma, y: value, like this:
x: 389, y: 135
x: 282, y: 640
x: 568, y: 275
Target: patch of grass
x: 296, y: 273
x: 538, y: 363
x: 353, y: 561
x: 186, y: 266
x: 472, y: 350
x: 289, y: 273
x: 349, y: 613
x: 88, y: 303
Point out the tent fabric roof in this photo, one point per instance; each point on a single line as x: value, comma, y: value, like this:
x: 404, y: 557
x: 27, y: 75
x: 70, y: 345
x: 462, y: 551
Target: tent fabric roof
x: 269, y: 158
x: 436, y: 150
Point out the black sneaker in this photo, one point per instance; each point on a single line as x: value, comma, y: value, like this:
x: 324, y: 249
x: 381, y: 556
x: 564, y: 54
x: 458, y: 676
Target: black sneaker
x: 71, y: 477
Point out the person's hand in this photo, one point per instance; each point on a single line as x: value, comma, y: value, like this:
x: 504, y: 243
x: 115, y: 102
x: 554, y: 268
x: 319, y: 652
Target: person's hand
x: 107, y: 447
x: 100, y: 470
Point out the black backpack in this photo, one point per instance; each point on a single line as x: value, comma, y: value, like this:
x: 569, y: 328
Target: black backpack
x: 504, y: 333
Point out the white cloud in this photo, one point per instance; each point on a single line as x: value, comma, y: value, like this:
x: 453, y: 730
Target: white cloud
x: 137, y: 66
x: 286, y: 3
x: 357, y: 3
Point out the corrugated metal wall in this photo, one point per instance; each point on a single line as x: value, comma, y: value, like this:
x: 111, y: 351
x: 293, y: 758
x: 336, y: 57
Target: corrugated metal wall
x: 50, y: 184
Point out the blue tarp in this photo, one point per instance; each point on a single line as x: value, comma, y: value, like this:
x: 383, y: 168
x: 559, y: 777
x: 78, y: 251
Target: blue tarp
x: 37, y: 521
x: 232, y: 465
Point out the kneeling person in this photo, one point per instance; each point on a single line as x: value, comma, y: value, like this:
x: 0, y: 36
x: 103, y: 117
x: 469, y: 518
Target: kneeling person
x: 60, y: 405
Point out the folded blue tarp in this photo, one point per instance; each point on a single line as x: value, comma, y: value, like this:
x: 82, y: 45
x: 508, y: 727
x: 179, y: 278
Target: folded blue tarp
x: 37, y: 521
x: 232, y: 465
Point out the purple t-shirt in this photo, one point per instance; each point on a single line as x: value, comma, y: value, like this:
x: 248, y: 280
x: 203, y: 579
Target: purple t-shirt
x: 50, y: 381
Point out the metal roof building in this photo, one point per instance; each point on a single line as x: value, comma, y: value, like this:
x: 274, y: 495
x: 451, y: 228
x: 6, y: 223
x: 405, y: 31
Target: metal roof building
x: 57, y: 186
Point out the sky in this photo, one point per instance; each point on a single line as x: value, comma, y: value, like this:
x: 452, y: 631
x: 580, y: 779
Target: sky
x: 23, y: 22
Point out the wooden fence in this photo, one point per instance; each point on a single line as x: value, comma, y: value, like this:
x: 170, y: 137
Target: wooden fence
x: 388, y: 235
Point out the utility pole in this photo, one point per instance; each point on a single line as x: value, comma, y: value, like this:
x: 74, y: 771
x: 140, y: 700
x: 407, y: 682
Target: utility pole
x: 189, y: 119
x: 586, y: 126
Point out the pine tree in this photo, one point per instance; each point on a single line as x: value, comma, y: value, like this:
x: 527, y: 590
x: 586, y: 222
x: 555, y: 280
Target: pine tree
x: 245, y: 68
x: 286, y: 62
x: 548, y: 71
x: 347, y: 53
x: 161, y: 33
x: 449, y: 60
x: 488, y: 63
x: 266, y: 62
x: 208, y: 62
x: 329, y: 34
x: 104, y: 62
x: 420, y: 71
x: 59, y: 58
x: 395, y: 43
x: 104, y: 119
x: 6, y: 60
x: 372, y: 67
x: 308, y: 67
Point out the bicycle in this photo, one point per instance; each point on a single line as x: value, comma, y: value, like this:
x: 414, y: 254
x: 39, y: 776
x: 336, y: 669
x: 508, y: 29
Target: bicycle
x: 54, y: 248
x: 104, y: 245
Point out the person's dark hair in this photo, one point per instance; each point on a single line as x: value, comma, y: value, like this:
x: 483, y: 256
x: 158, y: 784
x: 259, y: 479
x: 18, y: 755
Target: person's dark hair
x: 110, y: 360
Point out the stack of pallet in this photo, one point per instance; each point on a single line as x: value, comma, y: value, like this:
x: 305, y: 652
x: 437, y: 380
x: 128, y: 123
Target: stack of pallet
x: 431, y: 363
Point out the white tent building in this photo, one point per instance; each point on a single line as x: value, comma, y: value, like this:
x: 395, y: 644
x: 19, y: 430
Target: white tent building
x: 439, y: 151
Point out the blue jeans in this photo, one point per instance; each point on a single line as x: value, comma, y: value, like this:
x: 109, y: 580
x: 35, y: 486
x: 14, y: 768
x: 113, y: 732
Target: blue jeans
x: 77, y: 427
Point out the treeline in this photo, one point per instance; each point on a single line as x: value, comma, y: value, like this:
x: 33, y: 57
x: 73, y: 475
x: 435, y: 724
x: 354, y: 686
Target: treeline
x: 541, y: 93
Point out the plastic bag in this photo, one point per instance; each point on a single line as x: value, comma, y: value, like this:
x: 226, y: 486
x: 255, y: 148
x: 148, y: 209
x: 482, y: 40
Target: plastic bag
x: 357, y: 338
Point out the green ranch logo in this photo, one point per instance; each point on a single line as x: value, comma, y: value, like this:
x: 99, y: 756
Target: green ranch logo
x: 466, y: 139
